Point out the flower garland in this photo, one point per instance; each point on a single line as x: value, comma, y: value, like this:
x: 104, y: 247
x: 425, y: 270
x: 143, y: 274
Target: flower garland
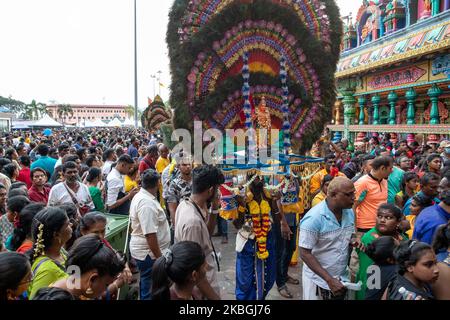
x: 260, y: 215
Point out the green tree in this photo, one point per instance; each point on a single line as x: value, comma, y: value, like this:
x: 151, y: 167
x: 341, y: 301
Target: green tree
x: 34, y: 110
x: 15, y: 106
x: 129, y: 110
x: 64, y: 110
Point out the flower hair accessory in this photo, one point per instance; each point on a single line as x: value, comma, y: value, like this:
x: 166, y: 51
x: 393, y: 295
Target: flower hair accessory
x: 39, y: 247
x: 168, y: 256
x: 412, y: 244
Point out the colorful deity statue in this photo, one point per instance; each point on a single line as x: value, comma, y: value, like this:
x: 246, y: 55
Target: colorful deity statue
x: 262, y: 116
x: 262, y: 120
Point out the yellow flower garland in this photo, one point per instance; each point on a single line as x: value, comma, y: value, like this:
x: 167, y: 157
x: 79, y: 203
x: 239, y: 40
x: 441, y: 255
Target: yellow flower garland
x: 260, y: 214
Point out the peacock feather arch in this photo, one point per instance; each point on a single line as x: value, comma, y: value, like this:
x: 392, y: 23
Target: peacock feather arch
x: 227, y: 55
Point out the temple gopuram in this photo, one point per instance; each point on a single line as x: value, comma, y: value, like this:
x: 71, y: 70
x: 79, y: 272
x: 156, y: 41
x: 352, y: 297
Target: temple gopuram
x: 394, y: 72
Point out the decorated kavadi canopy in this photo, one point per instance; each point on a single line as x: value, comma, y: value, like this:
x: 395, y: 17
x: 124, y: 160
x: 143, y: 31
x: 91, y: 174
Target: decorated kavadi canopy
x: 155, y: 115
x: 226, y: 56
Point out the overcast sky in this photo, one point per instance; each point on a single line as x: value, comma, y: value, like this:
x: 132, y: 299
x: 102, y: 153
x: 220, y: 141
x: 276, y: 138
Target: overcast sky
x: 82, y: 51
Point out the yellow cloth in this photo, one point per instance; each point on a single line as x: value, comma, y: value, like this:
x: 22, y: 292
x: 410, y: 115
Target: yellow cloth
x: 412, y: 221
x: 318, y: 199
x: 161, y: 164
x: 129, y: 184
x: 316, y: 181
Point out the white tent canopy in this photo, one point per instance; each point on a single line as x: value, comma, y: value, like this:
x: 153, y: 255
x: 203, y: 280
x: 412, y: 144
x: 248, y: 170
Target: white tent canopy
x: 98, y: 123
x: 46, y: 122
x: 128, y: 123
x: 88, y: 124
x: 115, y: 123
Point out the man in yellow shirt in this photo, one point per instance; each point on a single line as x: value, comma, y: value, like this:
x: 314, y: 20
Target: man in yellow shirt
x: 330, y: 168
x: 162, y: 162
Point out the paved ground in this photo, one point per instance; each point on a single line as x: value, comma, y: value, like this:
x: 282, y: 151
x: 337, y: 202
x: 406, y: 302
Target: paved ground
x: 227, y: 276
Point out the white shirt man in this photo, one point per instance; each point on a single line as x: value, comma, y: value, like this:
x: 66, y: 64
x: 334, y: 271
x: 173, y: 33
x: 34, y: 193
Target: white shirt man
x: 147, y: 216
x: 115, y: 186
x: 150, y: 236
x: 107, y: 167
x: 59, y: 195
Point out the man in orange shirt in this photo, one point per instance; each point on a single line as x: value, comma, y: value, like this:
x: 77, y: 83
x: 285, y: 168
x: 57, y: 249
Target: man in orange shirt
x: 330, y: 168
x: 371, y: 192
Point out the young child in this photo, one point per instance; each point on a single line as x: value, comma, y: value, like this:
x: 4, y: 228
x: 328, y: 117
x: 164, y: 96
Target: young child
x: 417, y: 270
x: 381, y: 251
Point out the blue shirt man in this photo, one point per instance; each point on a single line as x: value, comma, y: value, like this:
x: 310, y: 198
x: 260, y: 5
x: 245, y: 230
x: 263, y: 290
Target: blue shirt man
x: 44, y: 161
x: 325, y: 234
x: 430, y: 219
x: 132, y: 149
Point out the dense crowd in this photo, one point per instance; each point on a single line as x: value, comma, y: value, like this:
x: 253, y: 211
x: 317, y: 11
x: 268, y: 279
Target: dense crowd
x: 377, y: 227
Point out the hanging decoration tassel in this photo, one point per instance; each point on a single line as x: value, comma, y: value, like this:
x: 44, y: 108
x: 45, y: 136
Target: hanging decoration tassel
x: 285, y: 107
x: 246, y: 92
x: 252, y: 152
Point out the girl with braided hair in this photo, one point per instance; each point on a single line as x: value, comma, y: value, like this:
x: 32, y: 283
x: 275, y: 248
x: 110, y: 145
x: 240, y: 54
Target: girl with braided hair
x: 51, y: 229
x: 178, y: 271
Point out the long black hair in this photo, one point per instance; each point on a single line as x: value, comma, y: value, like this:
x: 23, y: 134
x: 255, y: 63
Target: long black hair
x: 22, y: 228
x: 441, y: 241
x: 45, y: 224
x: 175, y: 266
x: 90, y: 252
x: 13, y: 268
x: 407, y: 177
x: 408, y: 253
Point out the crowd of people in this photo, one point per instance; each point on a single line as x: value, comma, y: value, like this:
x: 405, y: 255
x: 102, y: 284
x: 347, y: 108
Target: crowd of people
x: 377, y: 227
x: 384, y: 223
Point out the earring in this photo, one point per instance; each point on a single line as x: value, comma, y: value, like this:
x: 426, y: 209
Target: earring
x: 89, y: 291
